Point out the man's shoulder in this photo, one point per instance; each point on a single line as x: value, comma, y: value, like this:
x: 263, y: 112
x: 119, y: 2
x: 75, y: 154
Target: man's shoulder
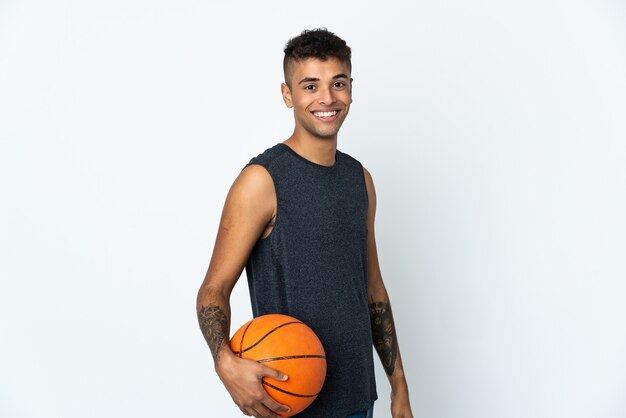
x: 269, y: 155
x: 350, y: 159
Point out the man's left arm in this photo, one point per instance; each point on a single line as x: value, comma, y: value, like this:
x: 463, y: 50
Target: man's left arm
x: 384, y: 334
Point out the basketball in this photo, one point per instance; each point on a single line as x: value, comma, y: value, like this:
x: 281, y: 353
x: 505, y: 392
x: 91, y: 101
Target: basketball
x: 286, y: 344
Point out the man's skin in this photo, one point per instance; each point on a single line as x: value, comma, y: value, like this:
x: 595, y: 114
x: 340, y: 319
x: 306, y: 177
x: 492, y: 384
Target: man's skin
x: 250, y: 208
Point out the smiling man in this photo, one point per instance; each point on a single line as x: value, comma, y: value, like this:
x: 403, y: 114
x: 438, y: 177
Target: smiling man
x: 300, y: 219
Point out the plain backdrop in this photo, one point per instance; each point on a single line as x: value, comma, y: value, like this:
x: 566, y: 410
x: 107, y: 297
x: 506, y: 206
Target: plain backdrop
x: 495, y: 133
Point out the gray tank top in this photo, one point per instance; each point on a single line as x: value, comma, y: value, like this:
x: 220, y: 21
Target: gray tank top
x: 313, y: 266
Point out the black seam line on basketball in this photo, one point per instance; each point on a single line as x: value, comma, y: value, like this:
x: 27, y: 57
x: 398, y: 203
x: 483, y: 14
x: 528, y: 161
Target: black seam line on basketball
x: 289, y: 393
x: 268, y: 333
x: 240, y: 352
x: 267, y: 360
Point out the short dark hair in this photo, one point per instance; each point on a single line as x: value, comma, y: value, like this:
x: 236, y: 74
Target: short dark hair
x: 316, y: 43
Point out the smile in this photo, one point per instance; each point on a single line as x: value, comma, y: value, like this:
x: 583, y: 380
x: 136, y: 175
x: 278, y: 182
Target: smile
x: 326, y: 115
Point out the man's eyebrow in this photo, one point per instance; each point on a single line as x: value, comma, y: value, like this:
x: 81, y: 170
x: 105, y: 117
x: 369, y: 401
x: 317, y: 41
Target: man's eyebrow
x: 311, y: 79
x: 308, y: 79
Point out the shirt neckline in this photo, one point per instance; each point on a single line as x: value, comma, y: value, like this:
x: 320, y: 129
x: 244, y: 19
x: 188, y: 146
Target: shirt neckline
x: 319, y: 166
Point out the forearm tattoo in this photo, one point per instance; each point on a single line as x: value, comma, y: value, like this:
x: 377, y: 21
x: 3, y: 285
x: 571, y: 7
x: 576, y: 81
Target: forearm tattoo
x: 384, y: 335
x: 214, y: 326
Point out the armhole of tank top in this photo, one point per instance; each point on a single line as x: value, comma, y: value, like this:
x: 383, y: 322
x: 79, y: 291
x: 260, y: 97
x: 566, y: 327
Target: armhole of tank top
x: 367, y: 196
x: 266, y: 238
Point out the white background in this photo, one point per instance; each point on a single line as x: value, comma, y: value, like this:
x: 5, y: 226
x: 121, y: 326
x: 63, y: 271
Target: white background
x: 495, y: 133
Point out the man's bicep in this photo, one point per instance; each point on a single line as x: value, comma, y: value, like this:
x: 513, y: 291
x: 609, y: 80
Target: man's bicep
x: 375, y: 286
x: 248, y: 208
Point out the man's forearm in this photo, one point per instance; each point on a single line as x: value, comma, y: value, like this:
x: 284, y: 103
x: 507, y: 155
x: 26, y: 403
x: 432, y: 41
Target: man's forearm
x: 386, y: 344
x: 214, y: 320
x: 384, y: 335
x: 214, y: 326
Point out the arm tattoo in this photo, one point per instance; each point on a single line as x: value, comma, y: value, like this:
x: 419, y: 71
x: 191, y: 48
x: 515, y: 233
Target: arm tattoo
x: 384, y: 334
x: 214, y: 326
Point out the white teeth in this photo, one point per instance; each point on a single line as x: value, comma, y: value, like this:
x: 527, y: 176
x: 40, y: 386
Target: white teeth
x: 325, y: 114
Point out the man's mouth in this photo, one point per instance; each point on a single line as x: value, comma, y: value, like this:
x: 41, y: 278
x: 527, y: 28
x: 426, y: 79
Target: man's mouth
x: 328, y: 115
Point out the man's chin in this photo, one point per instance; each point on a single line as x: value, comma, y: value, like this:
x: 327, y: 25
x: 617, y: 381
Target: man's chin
x: 328, y: 133
x: 322, y: 132
x: 326, y: 136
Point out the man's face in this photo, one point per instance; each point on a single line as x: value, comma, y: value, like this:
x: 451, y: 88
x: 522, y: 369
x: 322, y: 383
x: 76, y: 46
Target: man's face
x: 320, y: 95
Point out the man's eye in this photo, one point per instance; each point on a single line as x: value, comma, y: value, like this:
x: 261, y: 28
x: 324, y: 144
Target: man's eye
x: 309, y: 87
x: 340, y: 84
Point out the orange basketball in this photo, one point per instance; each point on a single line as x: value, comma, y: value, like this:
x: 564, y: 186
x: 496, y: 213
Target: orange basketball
x: 290, y: 346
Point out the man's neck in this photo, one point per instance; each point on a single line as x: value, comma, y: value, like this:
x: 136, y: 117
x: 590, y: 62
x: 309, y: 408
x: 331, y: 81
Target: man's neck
x: 318, y: 150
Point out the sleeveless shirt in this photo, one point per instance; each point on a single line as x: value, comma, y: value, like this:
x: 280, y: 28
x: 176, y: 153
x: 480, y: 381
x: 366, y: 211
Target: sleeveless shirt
x: 313, y: 266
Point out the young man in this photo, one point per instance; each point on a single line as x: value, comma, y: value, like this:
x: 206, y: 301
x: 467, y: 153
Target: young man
x: 300, y: 218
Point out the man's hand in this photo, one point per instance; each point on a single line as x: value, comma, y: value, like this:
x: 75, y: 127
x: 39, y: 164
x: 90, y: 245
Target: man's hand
x: 400, y: 406
x: 243, y: 380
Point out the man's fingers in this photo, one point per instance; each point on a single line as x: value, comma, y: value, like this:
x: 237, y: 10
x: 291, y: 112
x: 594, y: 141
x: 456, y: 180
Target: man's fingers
x: 260, y: 411
x: 270, y: 403
x: 255, y: 413
x: 273, y: 373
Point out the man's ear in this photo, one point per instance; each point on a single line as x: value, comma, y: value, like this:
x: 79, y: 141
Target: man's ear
x: 351, y: 82
x: 286, y: 92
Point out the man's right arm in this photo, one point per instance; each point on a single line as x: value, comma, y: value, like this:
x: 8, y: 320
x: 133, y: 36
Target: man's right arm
x: 249, y: 207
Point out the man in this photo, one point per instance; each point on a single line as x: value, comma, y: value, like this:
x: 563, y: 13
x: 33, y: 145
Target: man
x: 300, y: 218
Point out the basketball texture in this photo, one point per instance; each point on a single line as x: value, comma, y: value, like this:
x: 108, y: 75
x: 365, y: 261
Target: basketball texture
x: 286, y: 344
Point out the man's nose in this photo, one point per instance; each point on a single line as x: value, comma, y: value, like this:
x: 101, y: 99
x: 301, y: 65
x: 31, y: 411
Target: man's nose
x: 326, y: 96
